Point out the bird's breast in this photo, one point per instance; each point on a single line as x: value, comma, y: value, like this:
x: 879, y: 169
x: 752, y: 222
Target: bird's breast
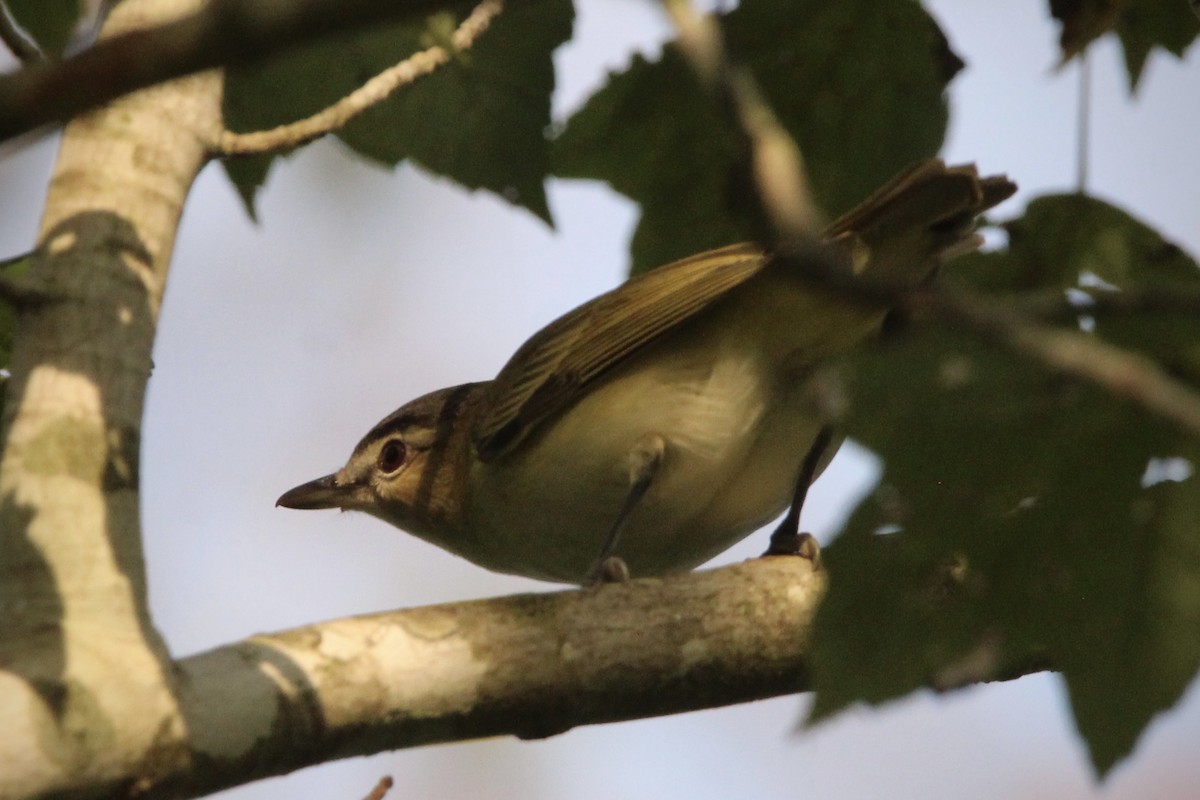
x: 733, y: 445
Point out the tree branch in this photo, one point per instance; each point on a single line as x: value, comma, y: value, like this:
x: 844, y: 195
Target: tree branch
x: 381, y: 788
x: 222, y: 33
x: 531, y: 666
x: 86, y: 691
x: 1056, y: 306
x: 23, y: 293
x: 1122, y: 373
x: 1083, y: 356
x: 528, y: 665
x: 374, y: 91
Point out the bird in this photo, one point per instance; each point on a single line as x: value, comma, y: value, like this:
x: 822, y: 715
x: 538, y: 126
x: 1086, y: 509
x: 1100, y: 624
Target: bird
x: 657, y: 424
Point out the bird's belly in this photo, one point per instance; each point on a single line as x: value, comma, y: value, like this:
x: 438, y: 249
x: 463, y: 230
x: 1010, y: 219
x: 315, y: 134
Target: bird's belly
x: 733, y: 440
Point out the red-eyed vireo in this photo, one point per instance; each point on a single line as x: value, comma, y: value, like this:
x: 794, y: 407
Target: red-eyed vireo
x: 661, y: 422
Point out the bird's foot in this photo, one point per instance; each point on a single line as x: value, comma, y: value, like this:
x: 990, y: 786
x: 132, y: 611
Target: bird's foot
x: 793, y: 543
x: 610, y: 569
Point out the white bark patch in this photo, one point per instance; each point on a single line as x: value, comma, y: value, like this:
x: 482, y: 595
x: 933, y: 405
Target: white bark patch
x: 61, y: 243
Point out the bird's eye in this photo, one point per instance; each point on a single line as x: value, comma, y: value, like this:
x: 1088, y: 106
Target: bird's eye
x: 391, y: 457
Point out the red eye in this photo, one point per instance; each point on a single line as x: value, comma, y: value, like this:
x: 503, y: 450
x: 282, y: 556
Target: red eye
x: 391, y: 457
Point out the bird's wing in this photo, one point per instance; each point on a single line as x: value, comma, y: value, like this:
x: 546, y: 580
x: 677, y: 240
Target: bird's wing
x: 548, y: 371
x: 919, y: 218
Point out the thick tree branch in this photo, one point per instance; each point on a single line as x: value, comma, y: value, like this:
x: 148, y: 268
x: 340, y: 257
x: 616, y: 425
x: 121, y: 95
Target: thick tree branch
x: 86, y: 691
x: 222, y: 33
x: 529, y: 665
x: 374, y: 91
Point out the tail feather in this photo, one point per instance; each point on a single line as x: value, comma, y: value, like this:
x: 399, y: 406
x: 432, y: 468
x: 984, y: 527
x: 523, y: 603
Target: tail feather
x: 918, y: 220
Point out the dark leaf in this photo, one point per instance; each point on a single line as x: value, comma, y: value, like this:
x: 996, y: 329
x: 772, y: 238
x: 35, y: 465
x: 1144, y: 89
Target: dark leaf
x: 1023, y: 518
x: 1141, y: 25
x: 50, y: 23
x: 1023, y: 534
x: 248, y: 174
x: 655, y: 137
x: 859, y: 85
x: 1065, y: 239
x: 1082, y: 22
x: 1146, y: 24
x: 479, y: 120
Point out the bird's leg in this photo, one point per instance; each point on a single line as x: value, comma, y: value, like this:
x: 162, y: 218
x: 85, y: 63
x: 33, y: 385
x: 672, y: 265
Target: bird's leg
x: 644, y: 461
x: 787, y: 539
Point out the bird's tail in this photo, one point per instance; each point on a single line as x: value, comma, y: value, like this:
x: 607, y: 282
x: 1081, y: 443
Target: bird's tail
x: 918, y: 220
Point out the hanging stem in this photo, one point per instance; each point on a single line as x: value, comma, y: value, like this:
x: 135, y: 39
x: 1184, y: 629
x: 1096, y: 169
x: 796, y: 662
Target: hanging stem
x: 1085, y: 103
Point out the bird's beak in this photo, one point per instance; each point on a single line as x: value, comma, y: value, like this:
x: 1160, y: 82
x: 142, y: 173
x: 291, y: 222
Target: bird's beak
x: 321, y: 493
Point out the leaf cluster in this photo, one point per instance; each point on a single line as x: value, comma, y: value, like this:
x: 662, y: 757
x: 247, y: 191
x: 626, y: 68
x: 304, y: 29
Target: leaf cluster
x: 1022, y: 517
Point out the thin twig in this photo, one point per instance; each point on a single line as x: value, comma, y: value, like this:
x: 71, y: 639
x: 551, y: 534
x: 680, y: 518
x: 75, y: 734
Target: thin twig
x: 374, y: 91
x: 380, y: 789
x: 1055, y: 306
x: 775, y: 161
x: 1085, y: 104
x: 222, y: 33
x: 23, y: 48
x: 1120, y: 372
x: 1081, y: 355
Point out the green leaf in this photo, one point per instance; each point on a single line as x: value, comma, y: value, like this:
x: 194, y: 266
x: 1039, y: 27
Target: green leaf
x: 1143, y: 25
x: 1082, y: 22
x: 248, y: 174
x: 1024, y: 518
x: 298, y: 84
x: 479, y: 119
x: 1026, y: 536
x: 655, y: 137
x: 860, y: 85
x: 1062, y: 238
x: 1072, y: 241
x: 50, y: 23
